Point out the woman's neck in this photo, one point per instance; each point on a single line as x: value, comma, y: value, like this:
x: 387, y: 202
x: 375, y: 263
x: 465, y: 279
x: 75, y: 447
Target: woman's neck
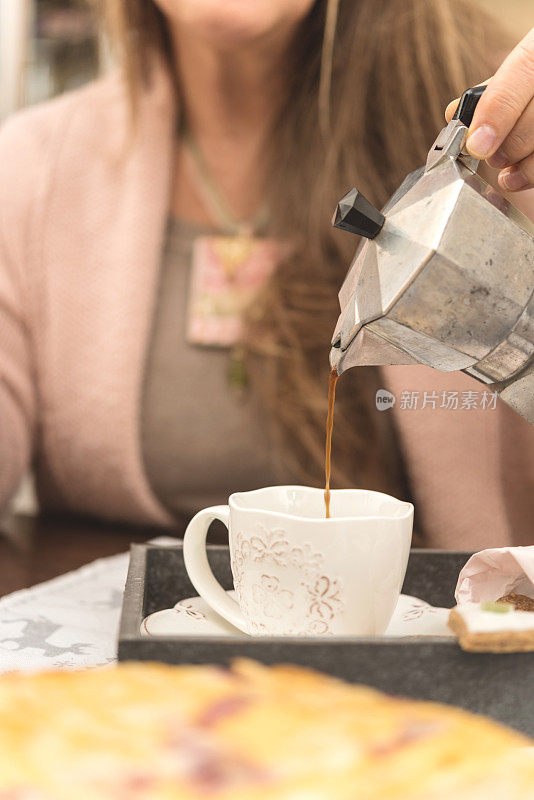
x: 229, y: 92
x: 230, y: 98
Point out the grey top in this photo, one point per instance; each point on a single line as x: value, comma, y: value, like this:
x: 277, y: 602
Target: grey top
x: 201, y: 439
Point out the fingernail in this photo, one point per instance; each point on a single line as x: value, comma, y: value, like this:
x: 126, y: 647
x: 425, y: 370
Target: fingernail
x: 499, y: 159
x: 481, y: 142
x: 513, y: 179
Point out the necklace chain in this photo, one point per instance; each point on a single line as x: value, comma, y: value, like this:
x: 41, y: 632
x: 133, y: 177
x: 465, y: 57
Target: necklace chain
x: 214, y: 201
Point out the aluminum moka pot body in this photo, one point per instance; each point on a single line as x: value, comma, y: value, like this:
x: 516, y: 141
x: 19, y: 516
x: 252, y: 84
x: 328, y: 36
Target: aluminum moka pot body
x: 444, y: 278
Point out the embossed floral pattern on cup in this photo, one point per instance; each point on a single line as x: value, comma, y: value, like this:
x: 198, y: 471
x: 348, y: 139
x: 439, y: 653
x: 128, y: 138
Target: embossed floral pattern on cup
x: 317, y: 597
x: 269, y: 595
x: 325, y: 597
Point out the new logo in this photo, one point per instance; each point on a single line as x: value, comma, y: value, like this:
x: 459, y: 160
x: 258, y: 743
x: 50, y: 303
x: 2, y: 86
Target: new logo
x: 384, y: 400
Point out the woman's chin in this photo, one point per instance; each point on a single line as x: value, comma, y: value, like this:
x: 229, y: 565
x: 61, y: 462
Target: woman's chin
x: 234, y: 22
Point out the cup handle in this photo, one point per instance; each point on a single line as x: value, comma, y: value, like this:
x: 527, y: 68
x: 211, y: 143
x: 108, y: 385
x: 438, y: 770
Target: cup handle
x: 199, y: 570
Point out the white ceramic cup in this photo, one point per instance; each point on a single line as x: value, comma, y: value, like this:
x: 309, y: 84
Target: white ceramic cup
x: 298, y: 573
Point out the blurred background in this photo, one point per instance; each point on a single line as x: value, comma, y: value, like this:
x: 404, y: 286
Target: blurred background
x: 50, y: 46
x: 46, y: 47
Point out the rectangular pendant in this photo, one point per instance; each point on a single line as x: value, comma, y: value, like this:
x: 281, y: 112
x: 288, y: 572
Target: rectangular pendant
x: 227, y: 272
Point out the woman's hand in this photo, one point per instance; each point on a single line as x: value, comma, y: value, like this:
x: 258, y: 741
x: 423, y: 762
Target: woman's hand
x: 502, y: 130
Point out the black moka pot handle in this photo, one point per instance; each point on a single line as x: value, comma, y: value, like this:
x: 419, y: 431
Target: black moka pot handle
x: 468, y: 102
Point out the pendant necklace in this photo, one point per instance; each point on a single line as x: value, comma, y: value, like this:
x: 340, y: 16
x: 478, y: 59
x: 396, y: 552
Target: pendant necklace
x: 227, y: 269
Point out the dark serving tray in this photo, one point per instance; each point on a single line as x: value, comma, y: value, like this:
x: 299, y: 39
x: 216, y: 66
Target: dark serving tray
x: 430, y: 668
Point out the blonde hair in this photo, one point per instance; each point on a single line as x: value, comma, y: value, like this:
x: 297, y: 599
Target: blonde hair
x: 367, y: 118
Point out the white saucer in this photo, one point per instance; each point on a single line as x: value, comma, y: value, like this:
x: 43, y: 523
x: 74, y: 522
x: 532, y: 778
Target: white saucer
x: 193, y: 617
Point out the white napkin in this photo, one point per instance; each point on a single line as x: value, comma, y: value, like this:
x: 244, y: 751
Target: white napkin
x: 493, y: 573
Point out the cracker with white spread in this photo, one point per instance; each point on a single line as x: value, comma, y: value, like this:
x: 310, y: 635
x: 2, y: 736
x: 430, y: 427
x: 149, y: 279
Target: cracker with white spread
x: 493, y: 627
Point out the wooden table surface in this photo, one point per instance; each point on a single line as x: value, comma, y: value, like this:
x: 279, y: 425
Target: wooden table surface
x: 36, y: 549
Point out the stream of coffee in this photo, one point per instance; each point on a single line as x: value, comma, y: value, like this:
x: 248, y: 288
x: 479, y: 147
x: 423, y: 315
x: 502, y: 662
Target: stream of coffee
x: 332, y: 380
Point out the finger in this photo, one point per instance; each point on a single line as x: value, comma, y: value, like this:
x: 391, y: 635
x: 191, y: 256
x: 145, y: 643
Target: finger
x: 451, y: 108
x: 503, y: 102
x: 519, y: 143
x: 519, y: 176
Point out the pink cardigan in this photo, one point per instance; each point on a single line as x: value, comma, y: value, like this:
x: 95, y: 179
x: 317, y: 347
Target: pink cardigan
x: 81, y: 231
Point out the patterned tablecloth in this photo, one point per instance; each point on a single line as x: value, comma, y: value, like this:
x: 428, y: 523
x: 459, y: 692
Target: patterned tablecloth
x: 71, y: 621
